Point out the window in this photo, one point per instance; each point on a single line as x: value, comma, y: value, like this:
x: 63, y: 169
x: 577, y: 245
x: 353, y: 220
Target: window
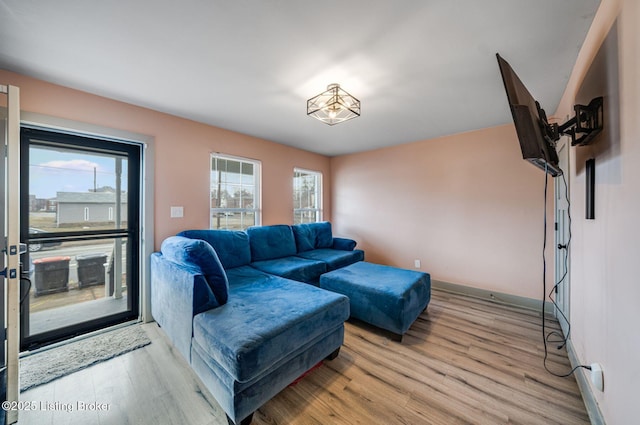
x: 235, y: 192
x: 307, y: 196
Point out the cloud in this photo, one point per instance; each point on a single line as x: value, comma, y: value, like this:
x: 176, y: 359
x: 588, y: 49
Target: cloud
x: 72, y: 175
x: 69, y: 165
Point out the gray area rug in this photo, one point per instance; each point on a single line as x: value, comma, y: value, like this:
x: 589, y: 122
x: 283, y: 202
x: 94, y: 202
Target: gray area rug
x: 43, y: 367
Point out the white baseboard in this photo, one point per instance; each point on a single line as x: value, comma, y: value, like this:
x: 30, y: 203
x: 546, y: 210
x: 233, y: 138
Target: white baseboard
x: 595, y: 415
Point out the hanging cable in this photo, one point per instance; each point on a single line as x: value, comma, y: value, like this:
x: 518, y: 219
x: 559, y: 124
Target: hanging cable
x: 546, y: 337
x: 560, y: 338
x: 24, y: 276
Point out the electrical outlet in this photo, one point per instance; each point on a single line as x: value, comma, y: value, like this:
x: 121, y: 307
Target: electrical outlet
x: 416, y: 264
x: 597, y: 376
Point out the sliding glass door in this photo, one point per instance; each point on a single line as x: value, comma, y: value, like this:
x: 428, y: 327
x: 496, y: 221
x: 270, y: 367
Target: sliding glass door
x: 80, y: 208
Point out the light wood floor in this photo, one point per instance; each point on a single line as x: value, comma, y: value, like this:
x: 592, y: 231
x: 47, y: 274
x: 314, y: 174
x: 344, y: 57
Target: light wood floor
x: 464, y: 361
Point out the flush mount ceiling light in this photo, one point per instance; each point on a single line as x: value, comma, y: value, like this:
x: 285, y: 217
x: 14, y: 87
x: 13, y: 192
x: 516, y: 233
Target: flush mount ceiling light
x: 333, y: 106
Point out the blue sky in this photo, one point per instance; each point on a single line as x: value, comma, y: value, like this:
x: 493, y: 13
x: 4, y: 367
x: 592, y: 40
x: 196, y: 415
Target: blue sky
x: 52, y: 171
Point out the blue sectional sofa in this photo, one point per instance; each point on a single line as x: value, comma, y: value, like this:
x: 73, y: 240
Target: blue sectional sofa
x: 301, y: 252
x: 239, y: 307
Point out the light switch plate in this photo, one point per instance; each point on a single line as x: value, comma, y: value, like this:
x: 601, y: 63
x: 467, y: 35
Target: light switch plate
x: 177, y: 212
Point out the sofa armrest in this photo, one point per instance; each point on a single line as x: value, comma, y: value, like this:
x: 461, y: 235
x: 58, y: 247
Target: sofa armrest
x: 178, y: 293
x: 344, y: 244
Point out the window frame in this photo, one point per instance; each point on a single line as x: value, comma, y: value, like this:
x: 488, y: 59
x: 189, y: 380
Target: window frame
x: 134, y: 269
x: 318, y: 195
x: 257, y: 194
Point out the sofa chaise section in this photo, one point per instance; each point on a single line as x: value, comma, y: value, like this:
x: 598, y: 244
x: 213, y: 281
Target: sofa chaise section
x: 249, y: 343
x: 269, y: 333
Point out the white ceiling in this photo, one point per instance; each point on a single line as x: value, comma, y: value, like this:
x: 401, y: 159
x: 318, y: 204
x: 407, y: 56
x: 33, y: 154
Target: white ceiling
x: 421, y: 68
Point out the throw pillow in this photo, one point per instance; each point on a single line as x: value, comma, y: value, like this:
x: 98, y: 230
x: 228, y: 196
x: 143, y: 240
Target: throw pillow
x: 200, y: 254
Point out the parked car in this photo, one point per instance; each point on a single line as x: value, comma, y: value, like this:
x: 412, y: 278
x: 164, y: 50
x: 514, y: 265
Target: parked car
x: 37, y: 246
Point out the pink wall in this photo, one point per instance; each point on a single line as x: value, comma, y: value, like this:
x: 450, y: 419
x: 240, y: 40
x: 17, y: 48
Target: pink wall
x: 467, y: 206
x: 182, y: 150
x: 605, y: 252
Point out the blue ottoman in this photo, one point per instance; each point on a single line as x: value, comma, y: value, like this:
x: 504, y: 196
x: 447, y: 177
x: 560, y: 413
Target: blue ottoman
x: 384, y: 296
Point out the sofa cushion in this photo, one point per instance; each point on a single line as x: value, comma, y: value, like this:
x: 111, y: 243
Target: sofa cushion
x: 264, y: 322
x: 324, y: 236
x: 246, y: 274
x: 313, y: 235
x: 305, y: 237
x: 293, y: 267
x: 201, y: 255
x: 270, y: 242
x: 334, y: 258
x: 232, y: 246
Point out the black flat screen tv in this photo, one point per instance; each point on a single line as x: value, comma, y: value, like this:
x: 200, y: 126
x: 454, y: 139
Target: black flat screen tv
x: 537, y: 137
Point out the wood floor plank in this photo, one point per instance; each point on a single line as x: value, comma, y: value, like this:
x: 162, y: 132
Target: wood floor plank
x: 464, y: 361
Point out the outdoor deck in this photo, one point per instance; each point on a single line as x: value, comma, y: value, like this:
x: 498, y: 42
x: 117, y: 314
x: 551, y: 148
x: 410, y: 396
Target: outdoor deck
x: 60, y: 309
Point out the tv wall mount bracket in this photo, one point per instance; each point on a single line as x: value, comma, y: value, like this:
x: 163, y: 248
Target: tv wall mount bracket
x: 584, y: 126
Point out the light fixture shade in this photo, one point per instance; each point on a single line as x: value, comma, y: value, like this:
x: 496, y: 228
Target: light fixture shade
x: 333, y: 106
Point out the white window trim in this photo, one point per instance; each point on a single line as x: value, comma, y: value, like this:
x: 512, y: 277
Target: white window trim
x: 319, y: 200
x: 258, y: 191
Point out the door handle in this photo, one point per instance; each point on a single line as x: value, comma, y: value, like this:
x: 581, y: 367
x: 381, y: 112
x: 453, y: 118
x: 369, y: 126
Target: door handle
x: 560, y: 246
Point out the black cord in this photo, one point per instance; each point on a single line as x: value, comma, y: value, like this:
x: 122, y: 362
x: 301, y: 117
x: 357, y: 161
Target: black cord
x: 562, y: 339
x: 22, y: 298
x: 546, y: 338
x: 24, y: 276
